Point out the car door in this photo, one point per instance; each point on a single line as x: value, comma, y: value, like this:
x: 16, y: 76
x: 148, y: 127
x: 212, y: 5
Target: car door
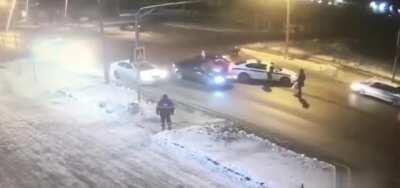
x: 277, y: 74
x: 127, y: 71
x: 377, y: 90
x: 257, y: 71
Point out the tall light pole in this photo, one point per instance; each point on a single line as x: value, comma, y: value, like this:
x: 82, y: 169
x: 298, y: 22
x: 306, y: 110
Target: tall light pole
x: 287, y: 40
x: 26, y: 8
x: 10, y: 15
x: 396, y: 56
x: 66, y: 8
x: 106, y: 67
x: 139, y: 14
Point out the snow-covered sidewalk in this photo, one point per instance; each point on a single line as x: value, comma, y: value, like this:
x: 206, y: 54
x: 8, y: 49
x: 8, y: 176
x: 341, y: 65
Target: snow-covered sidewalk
x: 70, y: 130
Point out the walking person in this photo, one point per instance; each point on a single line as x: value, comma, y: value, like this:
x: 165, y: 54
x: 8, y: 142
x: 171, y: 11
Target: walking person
x: 300, y: 83
x: 165, y: 108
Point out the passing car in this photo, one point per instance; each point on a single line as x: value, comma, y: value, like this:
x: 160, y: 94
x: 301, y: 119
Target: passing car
x: 210, y: 70
x: 378, y: 89
x: 253, y: 69
x: 149, y: 73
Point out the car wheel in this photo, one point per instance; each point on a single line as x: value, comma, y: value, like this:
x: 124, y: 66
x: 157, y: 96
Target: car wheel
x: 116, y: 75
x: 285, y: 81
x: 396, y: 102
x: 243, y: 78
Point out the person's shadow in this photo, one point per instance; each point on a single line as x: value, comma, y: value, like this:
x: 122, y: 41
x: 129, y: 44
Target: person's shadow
x: 303, y: 102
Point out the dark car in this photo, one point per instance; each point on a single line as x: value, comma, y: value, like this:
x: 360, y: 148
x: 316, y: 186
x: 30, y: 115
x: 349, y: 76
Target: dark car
x: 211, y: 70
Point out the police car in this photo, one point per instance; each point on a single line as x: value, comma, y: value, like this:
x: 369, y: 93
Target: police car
x: 253, y: 69
x: 380, y: 89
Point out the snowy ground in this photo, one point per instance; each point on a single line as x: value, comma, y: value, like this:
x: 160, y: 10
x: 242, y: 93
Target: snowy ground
x: 62, y: 129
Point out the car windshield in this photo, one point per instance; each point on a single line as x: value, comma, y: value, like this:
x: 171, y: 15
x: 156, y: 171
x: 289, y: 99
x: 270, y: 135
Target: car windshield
x: 386, y: 87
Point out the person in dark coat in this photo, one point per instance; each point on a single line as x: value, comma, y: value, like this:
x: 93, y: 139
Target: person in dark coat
x: 165, y: 108
x: 300, y: 83
x: 270, y: 71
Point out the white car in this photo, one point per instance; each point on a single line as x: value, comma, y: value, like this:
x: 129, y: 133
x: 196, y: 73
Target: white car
x: 254, y: 69
x: 379, y: 89
x: 149, y: 73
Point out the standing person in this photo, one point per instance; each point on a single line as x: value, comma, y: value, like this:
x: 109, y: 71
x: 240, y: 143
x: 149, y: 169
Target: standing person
x: 203, y: 54
x: 300, y: 83
x: 165, y: 108
x: 270, y: 71
x: 235, y: 51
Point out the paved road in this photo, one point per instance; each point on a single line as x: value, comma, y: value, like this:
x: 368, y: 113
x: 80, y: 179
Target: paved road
x: 339, y: 126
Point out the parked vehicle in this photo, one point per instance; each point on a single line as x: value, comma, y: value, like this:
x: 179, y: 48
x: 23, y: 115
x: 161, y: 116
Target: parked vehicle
x: 149, y: 73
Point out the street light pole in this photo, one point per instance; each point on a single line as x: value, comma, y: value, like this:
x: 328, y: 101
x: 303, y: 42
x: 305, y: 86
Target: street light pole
x: 138, y: 66
x: 66, y: 8
x: 287, y: 29
x: 396, y: 56
x: 27, y: 8
x: 138, y: 16
x: 103, y: 45
x: 10, y: 15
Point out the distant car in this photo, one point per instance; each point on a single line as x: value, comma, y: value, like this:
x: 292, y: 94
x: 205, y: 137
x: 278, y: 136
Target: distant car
x: 253, y: 69
x: 378, y: 89
x: 149, y: 73
x: 211, y: 70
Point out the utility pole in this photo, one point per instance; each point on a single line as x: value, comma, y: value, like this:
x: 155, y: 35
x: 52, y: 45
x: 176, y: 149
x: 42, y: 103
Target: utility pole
x: 10, y: 15
x: 287, y: 29
x: 66, y: 4
x: 103, y: 44
x: 139, y: 14
x: 26, y: 8
x: 396, y: 56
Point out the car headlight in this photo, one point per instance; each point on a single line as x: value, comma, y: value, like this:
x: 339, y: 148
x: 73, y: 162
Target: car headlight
x: 163, y: 74
x: 219, y: 80
x: 355, y: 86
x: 217, y: 70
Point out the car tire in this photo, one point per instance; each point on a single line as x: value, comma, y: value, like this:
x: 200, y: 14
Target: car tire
x: 116, y: 75
x: 285, y: 81
x: 243, y: 78
x: 395, y: 102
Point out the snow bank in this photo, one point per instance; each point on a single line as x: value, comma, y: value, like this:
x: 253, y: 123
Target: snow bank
x: 246, y: 158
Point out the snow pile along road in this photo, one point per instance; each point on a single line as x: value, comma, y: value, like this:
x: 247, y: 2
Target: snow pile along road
x: 246, y: 158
